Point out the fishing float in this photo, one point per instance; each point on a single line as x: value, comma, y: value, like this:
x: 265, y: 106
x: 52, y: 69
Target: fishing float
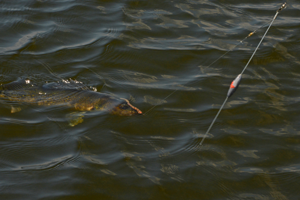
x: 236, y: 82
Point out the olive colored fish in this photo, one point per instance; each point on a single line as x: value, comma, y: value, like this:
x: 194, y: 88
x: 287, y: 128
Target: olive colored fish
x: 78, y: 98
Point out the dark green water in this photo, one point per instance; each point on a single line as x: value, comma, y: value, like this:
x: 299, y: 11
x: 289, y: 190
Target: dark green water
x: 143, y: 51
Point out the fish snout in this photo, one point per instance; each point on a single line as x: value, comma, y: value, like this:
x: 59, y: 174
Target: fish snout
x: 126, y: 109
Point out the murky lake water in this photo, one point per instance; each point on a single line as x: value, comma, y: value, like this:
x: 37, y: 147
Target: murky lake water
x: 143, y: 51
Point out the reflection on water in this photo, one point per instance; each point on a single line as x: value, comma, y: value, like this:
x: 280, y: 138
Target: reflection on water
x: 144, y: 51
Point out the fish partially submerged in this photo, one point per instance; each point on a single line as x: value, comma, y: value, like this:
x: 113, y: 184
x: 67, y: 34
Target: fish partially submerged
x: 78, y: 98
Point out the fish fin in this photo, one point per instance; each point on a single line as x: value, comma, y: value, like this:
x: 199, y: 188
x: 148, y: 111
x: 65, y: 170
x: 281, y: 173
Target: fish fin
x: 66, y: 84
x: 15, y: 109
x: 16, y: 85
x: 75, y: 118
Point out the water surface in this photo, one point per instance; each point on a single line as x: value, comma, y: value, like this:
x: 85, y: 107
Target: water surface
x: 143, y: 51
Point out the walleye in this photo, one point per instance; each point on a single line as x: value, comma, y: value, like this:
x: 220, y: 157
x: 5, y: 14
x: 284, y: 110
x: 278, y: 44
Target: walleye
x: 64, y: 94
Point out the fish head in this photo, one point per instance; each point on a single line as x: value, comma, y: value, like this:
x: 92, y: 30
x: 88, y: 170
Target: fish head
x: 124, y: 108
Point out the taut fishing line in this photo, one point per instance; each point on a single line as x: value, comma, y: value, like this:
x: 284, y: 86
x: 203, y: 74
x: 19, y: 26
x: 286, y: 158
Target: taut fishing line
x: 224, y: 54
x: 235, y: 83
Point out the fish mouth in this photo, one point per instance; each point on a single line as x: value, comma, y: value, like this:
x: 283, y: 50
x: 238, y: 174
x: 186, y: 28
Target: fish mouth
x: 133, y: 107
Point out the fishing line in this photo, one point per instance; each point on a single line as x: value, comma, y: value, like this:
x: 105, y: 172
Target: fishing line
x: 235, y: 83
x: 224, y: 54
x: 100, y: 77
x: 50, y: 70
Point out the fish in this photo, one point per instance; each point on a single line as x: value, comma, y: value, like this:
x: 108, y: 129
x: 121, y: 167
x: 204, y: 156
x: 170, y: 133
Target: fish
x: 65, y: 94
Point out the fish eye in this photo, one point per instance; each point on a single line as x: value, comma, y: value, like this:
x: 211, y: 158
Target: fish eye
x: 124, y: 106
